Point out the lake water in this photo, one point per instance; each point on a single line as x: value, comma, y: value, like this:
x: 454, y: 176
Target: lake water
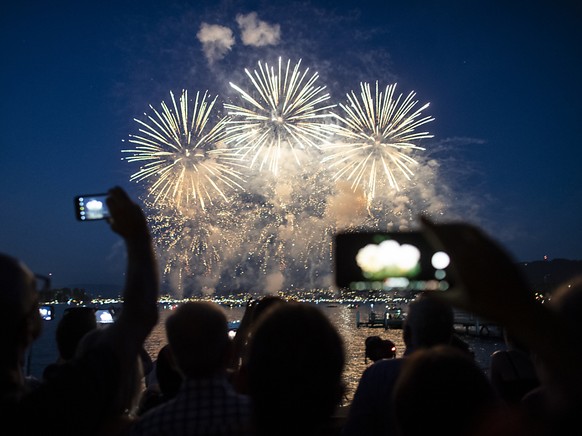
x: 44, y: 350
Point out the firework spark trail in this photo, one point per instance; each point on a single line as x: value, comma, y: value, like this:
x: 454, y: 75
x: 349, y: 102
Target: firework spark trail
x: 278, y: 230
x: 192, y: 246
x: 182, y: 161
x: 286, y: 111
x: 375, y: 135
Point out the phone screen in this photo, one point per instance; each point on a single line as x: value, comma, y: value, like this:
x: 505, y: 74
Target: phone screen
x: 389, y: 261
x: 91, y: 207
x: 46, y: 312
x: 104, y: 316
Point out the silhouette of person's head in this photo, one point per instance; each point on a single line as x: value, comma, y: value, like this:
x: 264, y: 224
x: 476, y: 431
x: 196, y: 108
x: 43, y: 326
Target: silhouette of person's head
x: 296, y: 359
x: 378, y: 348
x: 75, y: 323
x: 129, y: 382
x: 555, y: 404
x: 20, y: 321
x: 169, y: 379
x: 265, y: 303
x: 567, y: 301
x: 429, y: 321
x: 462, y: 345
x: 167, y: 383
x: 441, y: 390
x: 198, y: 336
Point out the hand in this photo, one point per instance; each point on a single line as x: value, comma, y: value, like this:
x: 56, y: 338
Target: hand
x: 245, y: 324
x: 127, y: 219
x: 242, y: 335
x: 492, y: 286
x: 488, y: 281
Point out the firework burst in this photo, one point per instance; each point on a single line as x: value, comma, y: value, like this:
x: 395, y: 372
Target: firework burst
x: 179, y: 153
x: 375, y: 137
x: 276, y: 233
x: 191, y: 245
x: 286, y: 111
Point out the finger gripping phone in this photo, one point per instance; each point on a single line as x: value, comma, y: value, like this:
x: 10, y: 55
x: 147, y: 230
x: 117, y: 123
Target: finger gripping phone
x: 91, y: 207
x: 389, y: 261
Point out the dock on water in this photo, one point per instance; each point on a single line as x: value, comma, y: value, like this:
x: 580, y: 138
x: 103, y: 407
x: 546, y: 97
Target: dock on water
x: 391, y: 318
x: 464, y: 323
x: 469, y: 324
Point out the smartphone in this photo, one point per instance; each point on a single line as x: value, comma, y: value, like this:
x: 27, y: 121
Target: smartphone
x: 91, y: 207
x: 389, y: 261
x: 104, y: 316
x: 47, y: 312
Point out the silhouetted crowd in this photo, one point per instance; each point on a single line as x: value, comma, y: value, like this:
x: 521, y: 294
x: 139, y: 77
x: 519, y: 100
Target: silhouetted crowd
x: 282, y: 372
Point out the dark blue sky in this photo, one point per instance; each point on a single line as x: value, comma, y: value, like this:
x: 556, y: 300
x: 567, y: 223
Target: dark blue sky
x: 503, y: 82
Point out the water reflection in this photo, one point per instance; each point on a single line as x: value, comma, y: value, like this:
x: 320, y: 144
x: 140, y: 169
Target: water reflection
x: 44, y: 350
x: 344, y: 319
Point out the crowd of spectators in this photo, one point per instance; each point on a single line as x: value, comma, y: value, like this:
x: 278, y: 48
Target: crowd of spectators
x: 282, y: 373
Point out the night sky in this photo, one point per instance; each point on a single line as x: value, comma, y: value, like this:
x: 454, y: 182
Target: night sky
x: 502, y: 79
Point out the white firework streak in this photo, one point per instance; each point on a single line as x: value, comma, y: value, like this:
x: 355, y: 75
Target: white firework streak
x: 287, y: 112
x: 182, y: 161
x: 191, y: 245
x: 375, y: 136
x: 180, y: 239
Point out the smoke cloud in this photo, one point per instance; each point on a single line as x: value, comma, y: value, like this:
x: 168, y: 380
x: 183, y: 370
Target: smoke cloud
x: 274, y: 282
x: 216, y: 41
x: 256, y: 32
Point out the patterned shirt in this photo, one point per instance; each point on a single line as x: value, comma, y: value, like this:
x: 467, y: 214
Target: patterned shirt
x: 201, y: 407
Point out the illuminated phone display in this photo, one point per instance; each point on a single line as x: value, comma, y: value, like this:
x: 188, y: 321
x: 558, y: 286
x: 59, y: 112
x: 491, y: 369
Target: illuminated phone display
x: 389, y: 260
x: 91, y: 207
